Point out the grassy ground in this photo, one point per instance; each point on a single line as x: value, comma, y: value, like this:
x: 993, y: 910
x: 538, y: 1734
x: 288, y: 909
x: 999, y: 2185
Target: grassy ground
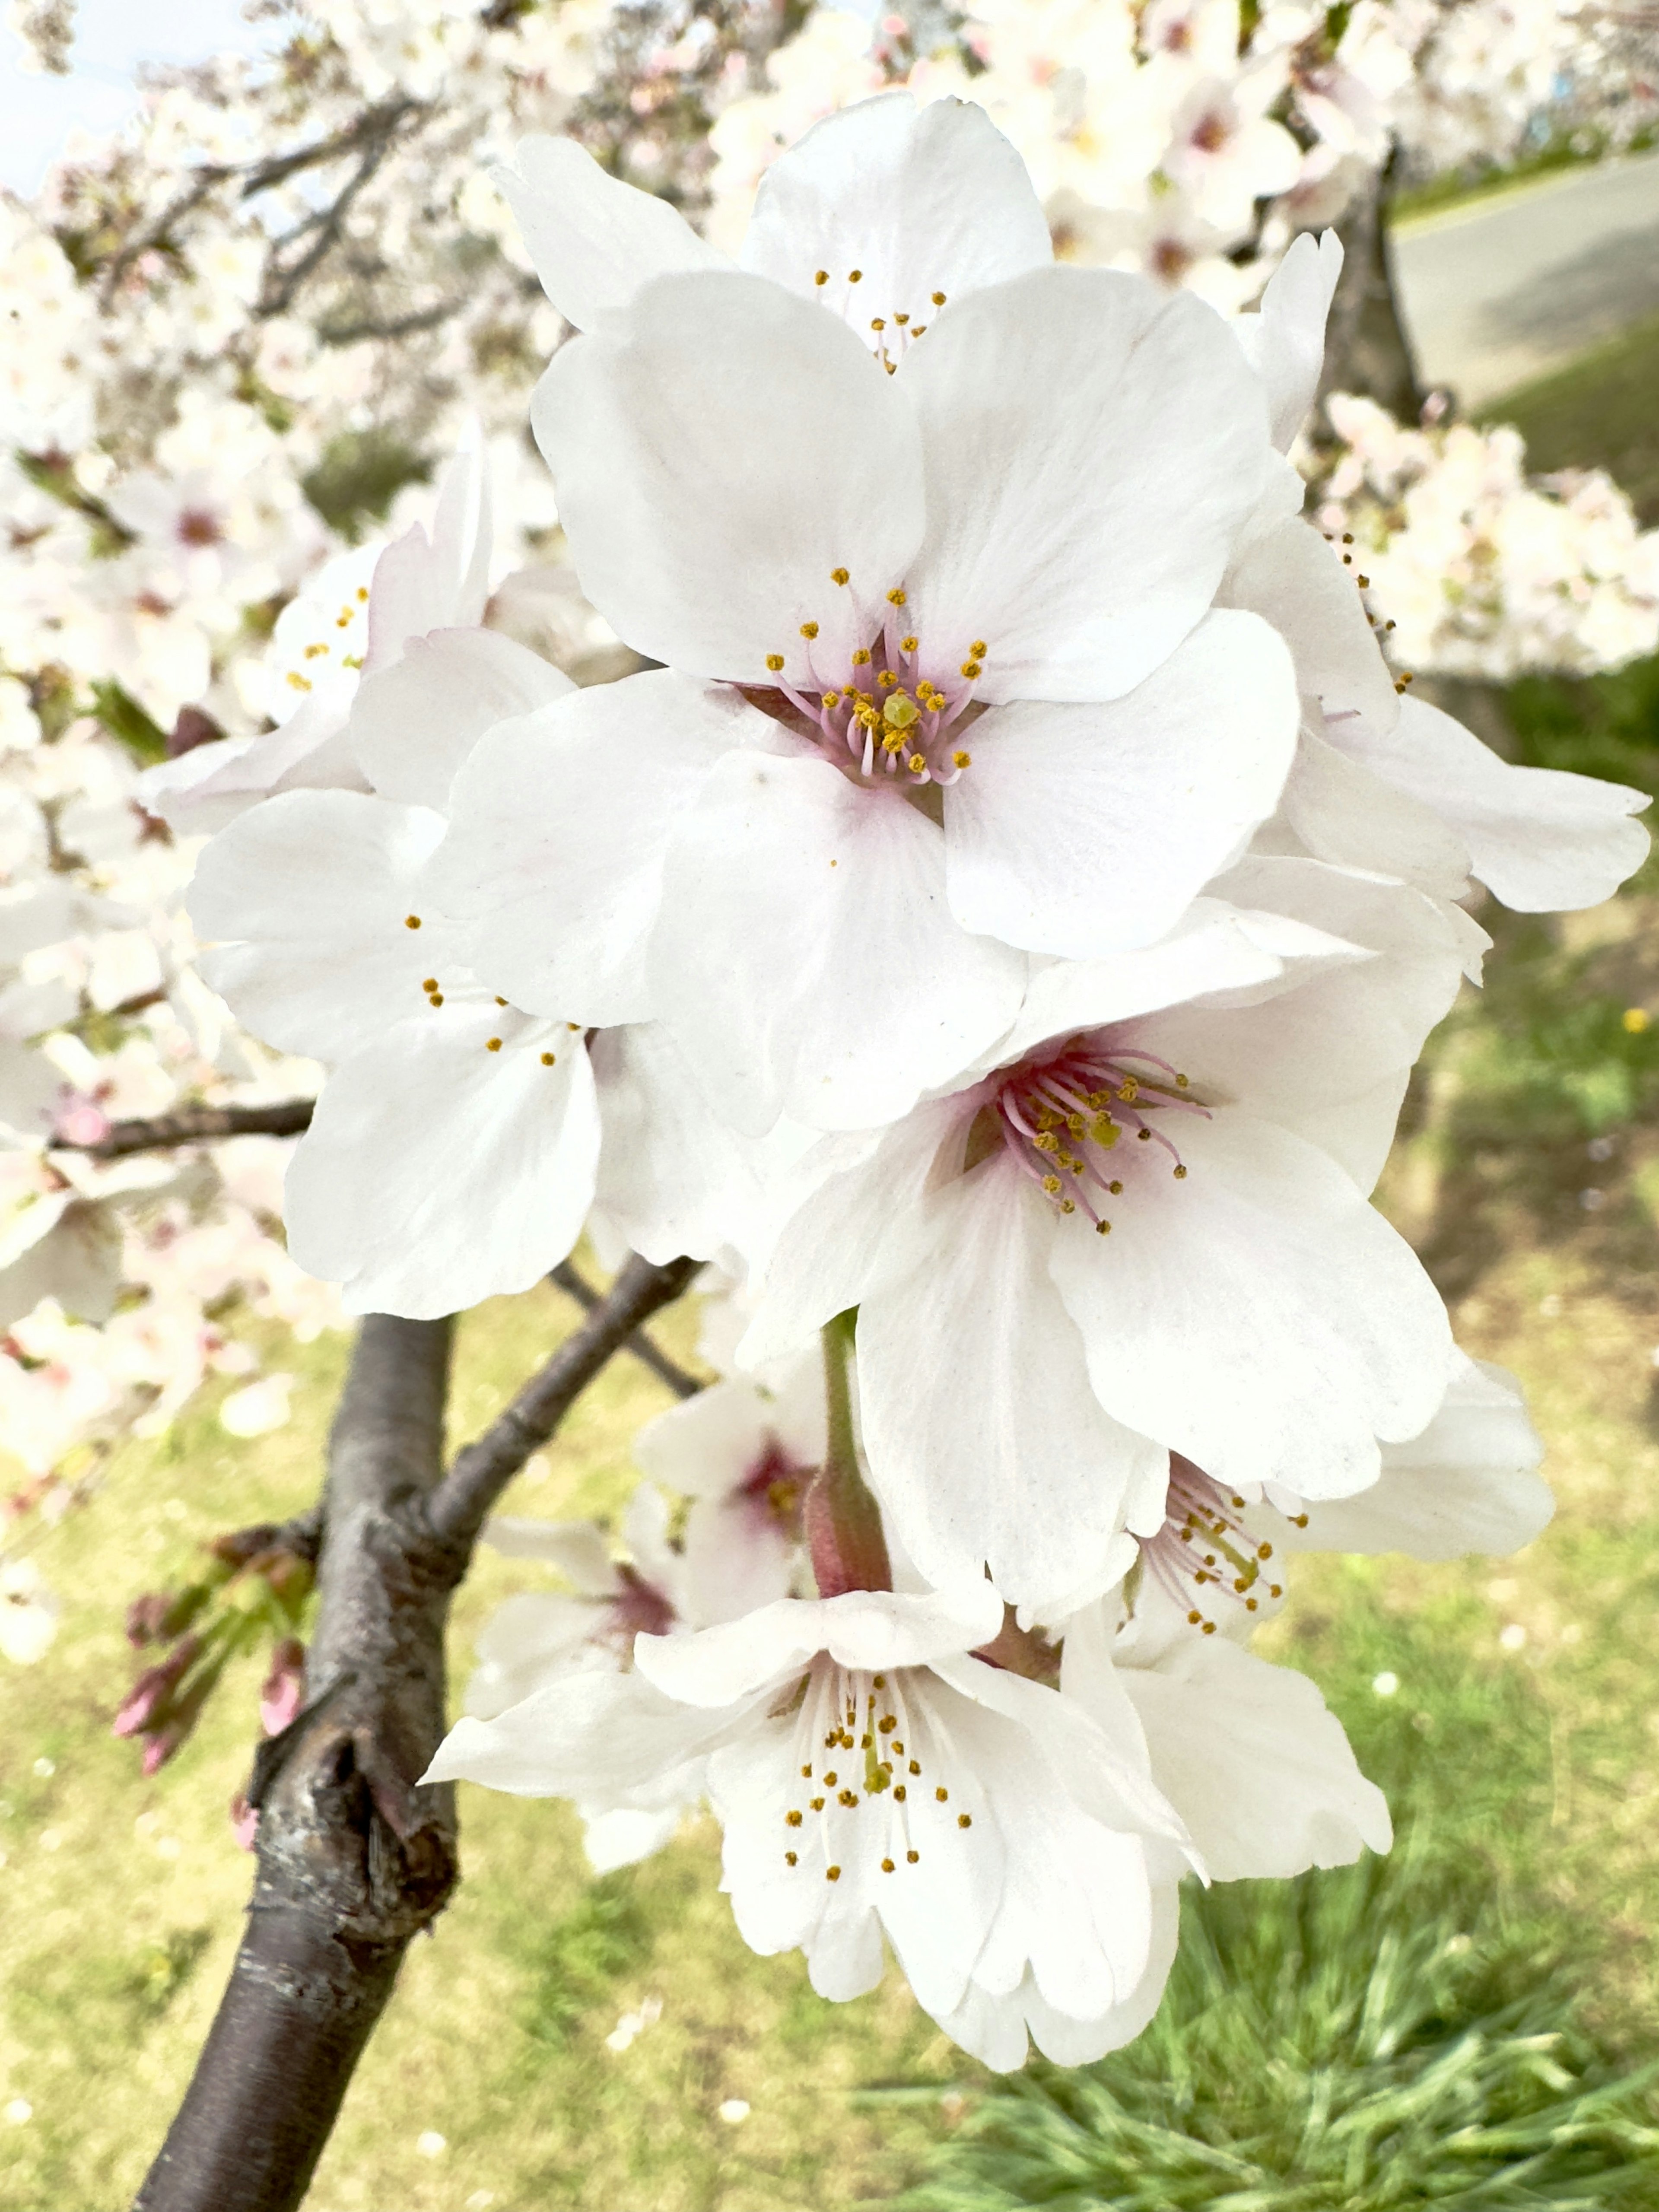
x: 1616, y: 392
x: 1523, y: 1736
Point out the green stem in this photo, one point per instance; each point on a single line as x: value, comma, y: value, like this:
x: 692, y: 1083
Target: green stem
x: 844, y: 1521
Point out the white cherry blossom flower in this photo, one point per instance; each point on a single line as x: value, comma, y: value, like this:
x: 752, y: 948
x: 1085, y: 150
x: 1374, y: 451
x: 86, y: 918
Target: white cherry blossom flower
x: 874, y: 1780
x: 899, y: 620
x: 1140, y: 1232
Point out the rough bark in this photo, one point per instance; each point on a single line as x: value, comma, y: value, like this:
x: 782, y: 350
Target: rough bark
x: 354, y: 1854
x: 197, y: 1125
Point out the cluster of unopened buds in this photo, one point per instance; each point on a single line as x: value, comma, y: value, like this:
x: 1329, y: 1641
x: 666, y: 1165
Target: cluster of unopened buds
x: 1028, y: 1089
x: 254, y: 1590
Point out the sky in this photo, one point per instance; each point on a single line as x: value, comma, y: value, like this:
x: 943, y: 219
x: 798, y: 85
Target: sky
x: 112, y: 38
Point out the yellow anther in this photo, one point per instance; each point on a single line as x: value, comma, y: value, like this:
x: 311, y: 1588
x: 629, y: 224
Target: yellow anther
x: 1066, y: 1206
x: 886, y: 680
x: 1076, y: 1124
x: 832, y: 1779
x: 839, y: 575
x: 1180, y: 1172
x: 492, y: 1044
x: 1103, y: 1229
x: 893, y: 742
x: 1051, y: 1184
x: 969, y: 668
x: 920, y: 330
x: 300, y: 683
x: 916, y: 764
x: 791, y: 1858
x: 832, y: 698
x: 363, y: 595
x: 1114, y: 1188
x: 832, y: 1873
x: 412, y: 921
x: 1046, y: 1141
x: 908, y: 644
x: 962, y: 760
x: 313, y: 651
x: 978, y: 648
x: 938, y: 301
x: 896, y: 597
x: 965, y: 1820
x: 809, y: 629
x: 430, y: 984
x: 855, y: 276
x: 1128, y: 1091
x: 901, y: 1793
x: 1182, y: 1082
x: 822, y: 277
x: 500, y: 1002
x: 891, y: 366
x: 915, y: 1766
x: 775, y: 662
x: 1209, y: 1628
x: 900, y: 319
x: 791, y: 1819
x: 861, y: 658
x: 435, y: 998
x: 942, y: 1795
x: 878, y: 323
x: 549, y: 1059
x: 807, y: 1772
x: 817, y: 1804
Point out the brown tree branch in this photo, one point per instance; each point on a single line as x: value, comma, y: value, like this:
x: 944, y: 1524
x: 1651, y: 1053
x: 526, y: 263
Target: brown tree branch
x: 459, y: 1505
x: 679, y: 1380
x: 1367, y: 347
x: 355, y: 1855
x: 197, y: 1125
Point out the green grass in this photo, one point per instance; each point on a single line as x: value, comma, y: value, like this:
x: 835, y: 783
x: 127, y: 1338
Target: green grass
x: 1456, y: 188
x: 1601, y: 412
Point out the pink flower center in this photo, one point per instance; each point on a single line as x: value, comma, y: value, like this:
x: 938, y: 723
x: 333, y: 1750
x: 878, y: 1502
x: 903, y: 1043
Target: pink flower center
x: 885, y: 710
x: 1204, y: 1555
x: 1063, y: 1119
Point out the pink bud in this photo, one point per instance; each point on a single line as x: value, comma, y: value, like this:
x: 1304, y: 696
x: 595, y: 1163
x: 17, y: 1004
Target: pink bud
x: 283, y: 1691
x: 153, y: 1689
x: 158, y: 1749
x: 79, y: 1120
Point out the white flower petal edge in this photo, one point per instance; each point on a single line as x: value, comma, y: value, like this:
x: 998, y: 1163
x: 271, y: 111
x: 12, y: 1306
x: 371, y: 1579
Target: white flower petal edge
x: 921, y: 202
x: 1069, y: 834
x: 310, y: 893
x: 437, y: 1171
x: 593, y: 239
x: 1469, y: 1483
x: 1540, y: 839
x: 1092, y: 448
x: 721, y: 449
x: 1285, y: 341
x: 1259, y: 1772
x: 413, y: 723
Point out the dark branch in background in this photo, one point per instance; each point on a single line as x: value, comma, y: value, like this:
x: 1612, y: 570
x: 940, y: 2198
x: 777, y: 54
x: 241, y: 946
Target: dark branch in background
x: 462, y: 1500
x: 679, y: 1380
x: 355, y: 1856
x: 1368, y: 349
x: 197, y: 1125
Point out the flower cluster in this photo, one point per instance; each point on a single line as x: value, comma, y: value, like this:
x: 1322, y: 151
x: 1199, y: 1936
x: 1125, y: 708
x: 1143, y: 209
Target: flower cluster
x: 997, y: 931
x: 232, y: 334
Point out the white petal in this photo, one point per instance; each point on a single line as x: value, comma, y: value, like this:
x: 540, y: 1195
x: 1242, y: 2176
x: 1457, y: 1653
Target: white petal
x: 423, y: 583
x: 1328, y: 1059
x: 413, y: 723
x: 1285, y: 343
x: 859, y: 1228
x: 1256, y: 1766
x: 1541, y: 840
x: 1293, y: 579
x: 593, y: 239
x: 918, y: 200
x: 1467, y: 1484
x: 863, y: 1628
x: 985, y: 1442
x: 319, y: 886
x: 436, y: 1173
x: 1257, y: 1316
x: 719, y: 451
x: 712, y: 1443
x: 1343, y: 812
x: 533, y: 1639
x: 1092, y: 445
x: 623, y: 1836
x: 807, y: 963
x: 1070, y: 2042
x: 601, y: 1737
x: 577, y: 1549
x: 1217, y: 949
x: 1087, y: 830
x: 559, y: 823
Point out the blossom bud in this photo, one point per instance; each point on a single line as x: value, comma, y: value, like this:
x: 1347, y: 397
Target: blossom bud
x: 283, y: 1689
x: 244, y: 1821
x: 154, y: 1689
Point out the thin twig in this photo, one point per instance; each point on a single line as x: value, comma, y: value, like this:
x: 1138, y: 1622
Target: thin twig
x: 197, y: 1125
x: 679, y: 1379
x: 459, y: 1506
